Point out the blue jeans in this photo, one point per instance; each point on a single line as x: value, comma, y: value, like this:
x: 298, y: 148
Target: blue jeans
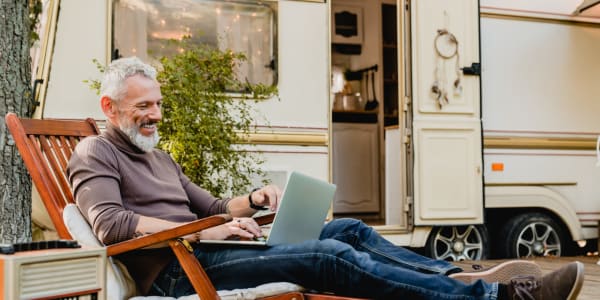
x: 350, y: 258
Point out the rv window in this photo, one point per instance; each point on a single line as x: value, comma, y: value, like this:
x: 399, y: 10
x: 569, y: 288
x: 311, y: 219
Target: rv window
x: 142, y: 27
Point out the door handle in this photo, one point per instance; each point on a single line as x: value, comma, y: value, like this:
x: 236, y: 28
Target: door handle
x: 474, y: 69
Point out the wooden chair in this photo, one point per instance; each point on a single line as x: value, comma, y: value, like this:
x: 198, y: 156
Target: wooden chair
x: 47, y: 145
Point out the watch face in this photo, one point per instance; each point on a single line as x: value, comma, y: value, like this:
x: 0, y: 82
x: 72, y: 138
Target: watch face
x: 446, y: 44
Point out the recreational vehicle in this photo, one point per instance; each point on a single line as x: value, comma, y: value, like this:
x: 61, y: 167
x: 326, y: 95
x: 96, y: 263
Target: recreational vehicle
x: 465, y: 127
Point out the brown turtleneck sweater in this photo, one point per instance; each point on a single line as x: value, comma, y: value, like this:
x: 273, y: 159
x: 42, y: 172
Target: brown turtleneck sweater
x: 114, y: 182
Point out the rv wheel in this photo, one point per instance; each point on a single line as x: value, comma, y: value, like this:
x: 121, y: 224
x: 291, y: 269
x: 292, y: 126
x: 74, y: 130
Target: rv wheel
x: 456, y: 243
x: 532, y: 234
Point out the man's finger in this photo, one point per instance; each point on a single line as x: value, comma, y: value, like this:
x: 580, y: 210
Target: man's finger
x: 241, y: 232
x: 253, y: 227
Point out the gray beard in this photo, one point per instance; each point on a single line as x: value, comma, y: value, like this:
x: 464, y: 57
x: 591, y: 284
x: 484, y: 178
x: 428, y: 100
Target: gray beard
x: 146, y: 143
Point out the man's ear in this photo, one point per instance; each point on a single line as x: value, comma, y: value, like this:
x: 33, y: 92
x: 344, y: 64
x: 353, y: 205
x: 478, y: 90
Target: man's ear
x: 108, y: 107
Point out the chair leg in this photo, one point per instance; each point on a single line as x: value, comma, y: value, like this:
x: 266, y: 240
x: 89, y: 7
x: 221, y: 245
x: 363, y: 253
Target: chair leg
x: 194, y: 271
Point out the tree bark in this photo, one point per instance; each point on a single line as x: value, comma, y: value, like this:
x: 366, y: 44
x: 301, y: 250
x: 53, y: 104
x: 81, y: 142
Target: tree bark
x: 15, y: 76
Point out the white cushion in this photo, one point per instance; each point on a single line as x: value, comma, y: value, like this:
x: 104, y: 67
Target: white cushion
x: 264, y: 290
x: 261, y: 291
x: 120, y: 285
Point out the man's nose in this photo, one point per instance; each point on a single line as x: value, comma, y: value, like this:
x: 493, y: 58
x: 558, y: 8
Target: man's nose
x: 155, y: 112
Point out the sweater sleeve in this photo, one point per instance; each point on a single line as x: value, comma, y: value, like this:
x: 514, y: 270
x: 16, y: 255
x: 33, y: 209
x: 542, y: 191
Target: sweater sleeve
x: 202, y: 203
x: 94, y: 177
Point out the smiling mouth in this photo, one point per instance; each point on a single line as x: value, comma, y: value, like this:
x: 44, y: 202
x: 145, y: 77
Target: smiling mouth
x: 148, y: 125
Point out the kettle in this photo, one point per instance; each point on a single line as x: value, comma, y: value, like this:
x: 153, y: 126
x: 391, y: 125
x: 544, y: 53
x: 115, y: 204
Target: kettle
x: 351, y: 102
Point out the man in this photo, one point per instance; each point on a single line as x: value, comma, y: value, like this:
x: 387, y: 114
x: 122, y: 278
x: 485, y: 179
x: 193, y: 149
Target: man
x: 125, y: 188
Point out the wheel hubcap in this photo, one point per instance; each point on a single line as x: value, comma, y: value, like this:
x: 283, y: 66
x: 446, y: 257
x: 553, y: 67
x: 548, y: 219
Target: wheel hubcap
x: 458, y: 246
x: 538, y: 248
x: 538, y: 239
x: 458, y: 243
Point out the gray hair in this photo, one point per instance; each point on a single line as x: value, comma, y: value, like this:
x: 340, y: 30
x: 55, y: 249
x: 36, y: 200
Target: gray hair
x: 113, y: 81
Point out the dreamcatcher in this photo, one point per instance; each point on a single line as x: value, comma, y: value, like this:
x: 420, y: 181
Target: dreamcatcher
x: 446, y: 48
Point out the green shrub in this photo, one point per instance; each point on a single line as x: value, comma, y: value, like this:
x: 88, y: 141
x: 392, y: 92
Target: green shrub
x: 203, y: 121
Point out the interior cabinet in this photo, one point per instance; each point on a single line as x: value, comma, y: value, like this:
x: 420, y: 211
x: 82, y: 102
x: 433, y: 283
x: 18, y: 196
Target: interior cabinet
x: 355, y: 167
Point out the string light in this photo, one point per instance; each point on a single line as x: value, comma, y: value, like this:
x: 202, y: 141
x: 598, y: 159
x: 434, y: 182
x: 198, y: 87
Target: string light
x: 238, y: 28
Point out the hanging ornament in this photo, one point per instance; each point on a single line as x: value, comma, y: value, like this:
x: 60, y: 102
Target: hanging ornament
x: 446, y: 49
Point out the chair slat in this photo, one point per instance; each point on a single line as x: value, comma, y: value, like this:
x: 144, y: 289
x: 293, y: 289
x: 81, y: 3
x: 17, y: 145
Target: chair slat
x: 68, y: 146
x: 51, y: 154
x: 58, y: 148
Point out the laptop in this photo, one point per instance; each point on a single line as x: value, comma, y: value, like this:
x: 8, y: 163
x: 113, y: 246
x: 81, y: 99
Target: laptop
x: 301, y: 214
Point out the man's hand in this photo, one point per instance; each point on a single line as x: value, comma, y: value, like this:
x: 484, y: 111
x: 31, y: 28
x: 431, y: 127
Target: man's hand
x: 267, y: 196
x: 244, y: 228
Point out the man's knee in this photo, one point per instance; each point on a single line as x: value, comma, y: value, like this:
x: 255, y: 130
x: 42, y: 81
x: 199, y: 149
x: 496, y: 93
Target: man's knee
x: 342, y: 225
x: 330, y: 247
x: 349, y: 222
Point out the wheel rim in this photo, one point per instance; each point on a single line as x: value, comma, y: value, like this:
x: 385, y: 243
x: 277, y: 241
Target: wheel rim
x: 458, y: 243
x: 538, y: 239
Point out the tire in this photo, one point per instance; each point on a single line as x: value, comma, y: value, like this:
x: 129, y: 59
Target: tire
x: 456, y: 243
x: 532, y: 234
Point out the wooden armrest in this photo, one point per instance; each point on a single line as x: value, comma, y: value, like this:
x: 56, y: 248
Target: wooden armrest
x: 265, y: 219
x: 165, y: 235
x: 169, y: 234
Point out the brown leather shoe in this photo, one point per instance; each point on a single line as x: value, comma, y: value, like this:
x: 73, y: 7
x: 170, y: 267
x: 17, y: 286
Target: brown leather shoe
x: 501, y: 273
x: 562, y: 284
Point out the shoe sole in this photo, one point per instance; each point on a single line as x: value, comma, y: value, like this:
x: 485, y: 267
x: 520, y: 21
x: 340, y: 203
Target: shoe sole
x: 501, y: 273
x: 578, y: 282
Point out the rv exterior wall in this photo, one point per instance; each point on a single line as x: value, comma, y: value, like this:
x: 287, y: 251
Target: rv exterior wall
x: 80, y: 38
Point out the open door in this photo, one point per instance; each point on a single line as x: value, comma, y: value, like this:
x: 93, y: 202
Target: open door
x: 445, y: 101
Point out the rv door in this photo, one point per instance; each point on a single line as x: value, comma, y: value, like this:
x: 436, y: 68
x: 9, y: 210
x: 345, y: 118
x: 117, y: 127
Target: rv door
x: 445, y: 102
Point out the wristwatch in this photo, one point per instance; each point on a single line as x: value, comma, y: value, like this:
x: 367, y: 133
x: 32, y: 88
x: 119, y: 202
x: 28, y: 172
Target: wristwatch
x: 252, y: 205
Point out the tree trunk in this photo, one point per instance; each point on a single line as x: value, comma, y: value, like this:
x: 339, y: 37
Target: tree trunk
x: 15, y: 76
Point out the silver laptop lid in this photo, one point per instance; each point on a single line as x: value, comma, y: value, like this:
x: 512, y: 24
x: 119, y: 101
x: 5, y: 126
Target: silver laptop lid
x: 302, y: 216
